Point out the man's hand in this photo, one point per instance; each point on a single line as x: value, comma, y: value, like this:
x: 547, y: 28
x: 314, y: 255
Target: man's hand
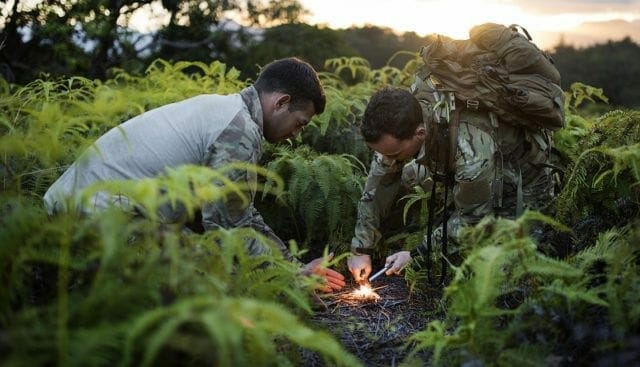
x: 399, y: 261
x: 333, y: 280
x: 360, y: 267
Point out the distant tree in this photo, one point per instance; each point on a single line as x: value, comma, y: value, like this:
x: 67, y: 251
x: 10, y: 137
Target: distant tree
x: 88, y: 37
x: 379, y: 44
x: 25, y: 56
x: 198, y: 30
x: 99, y: 20
x: 311, y: 43
x: 375, y: 44
x: 64, y: 37
x: 612, y: 66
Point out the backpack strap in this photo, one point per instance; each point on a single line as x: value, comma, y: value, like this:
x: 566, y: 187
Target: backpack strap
x: 443, y: 143
x: 514, y: 27
x: 454, y: 123
x: 519, y: 194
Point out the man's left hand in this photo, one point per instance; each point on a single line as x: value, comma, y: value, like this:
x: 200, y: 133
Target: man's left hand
x: 333, y: 280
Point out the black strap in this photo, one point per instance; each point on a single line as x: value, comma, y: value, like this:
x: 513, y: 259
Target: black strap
x: 432, y: 207
x: 449, y: 134
x: 445, y: 234
x: 430, y: 221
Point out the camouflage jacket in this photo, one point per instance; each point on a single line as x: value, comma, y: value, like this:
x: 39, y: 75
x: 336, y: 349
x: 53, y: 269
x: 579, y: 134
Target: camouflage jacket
x: 497, y: 167
x: 210, y: 130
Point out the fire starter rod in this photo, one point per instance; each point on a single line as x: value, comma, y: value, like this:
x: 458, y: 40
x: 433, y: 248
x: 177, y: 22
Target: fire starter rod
x: 382, y: 271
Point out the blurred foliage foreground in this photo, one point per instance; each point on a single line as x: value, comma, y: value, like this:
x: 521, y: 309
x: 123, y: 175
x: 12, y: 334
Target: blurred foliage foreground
x: 115, y: 290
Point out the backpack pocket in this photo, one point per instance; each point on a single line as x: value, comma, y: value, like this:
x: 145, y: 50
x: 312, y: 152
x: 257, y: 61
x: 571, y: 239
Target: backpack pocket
x: 535, y: 98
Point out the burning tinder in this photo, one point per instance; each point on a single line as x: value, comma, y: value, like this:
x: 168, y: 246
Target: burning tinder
x: 366, y: 293
x: 359, y: 296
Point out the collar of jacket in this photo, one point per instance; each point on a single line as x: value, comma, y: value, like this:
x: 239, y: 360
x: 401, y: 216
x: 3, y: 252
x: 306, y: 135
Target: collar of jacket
x: 422, y: 154
x: 251, y: 99
x: 430, y: 156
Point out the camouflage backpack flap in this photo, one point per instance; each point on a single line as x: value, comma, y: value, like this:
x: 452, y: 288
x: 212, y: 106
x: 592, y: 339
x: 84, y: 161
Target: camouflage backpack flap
x: 500, y: 70
x: 515, y: 51
x: 448, y: 63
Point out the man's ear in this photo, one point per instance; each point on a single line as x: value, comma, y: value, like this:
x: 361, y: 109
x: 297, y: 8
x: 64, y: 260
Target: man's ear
x: 421, y: 132
x: 282, y: 100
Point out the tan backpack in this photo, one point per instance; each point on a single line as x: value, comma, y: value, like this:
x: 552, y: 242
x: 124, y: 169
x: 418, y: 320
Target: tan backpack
x: 500, y: 70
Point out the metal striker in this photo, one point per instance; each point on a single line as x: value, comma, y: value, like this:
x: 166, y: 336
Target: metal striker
x: 382, y: 271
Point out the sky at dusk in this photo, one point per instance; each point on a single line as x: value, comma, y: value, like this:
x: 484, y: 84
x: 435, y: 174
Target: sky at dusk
x: 578, y: 22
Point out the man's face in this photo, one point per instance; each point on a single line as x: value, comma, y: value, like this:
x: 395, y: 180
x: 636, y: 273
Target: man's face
x: 398, y: 149
x: 284, y: 124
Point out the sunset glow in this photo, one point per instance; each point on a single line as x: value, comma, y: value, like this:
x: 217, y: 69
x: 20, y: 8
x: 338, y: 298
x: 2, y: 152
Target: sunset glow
x: 546, y: 21
x: 454, y: 18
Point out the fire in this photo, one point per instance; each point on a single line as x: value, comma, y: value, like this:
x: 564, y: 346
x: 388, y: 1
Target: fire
x: 366, y: 293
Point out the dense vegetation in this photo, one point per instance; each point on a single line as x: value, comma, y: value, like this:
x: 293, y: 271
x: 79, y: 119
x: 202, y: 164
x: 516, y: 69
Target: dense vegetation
x: 114, y: 290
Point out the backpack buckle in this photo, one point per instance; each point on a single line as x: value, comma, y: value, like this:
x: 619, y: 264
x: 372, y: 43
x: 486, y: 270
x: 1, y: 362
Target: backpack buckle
x: 473, y: 104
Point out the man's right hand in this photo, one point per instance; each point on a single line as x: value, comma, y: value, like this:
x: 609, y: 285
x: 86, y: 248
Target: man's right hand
x: 398, y: 260
x: 360, y: 267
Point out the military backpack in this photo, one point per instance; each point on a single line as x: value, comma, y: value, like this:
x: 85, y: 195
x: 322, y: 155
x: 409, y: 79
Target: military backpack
x: 498, y: 70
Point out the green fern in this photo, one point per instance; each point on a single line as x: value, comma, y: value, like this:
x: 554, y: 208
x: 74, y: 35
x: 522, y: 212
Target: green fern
x: 228, y: 326
x: 501, y: 261
x: 526, y: 356
x: 319, y: 189
x: 607, y: 167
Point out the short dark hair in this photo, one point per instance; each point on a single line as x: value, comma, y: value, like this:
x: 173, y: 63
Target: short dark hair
x: 296, y: 78
x: 392, y: 111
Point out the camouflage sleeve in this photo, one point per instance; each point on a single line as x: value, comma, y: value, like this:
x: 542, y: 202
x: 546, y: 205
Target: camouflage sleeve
x: 380, y: 190
x: 237, y: 143
x: 474, y: 178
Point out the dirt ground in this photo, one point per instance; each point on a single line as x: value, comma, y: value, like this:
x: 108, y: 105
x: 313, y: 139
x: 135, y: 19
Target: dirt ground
x: 377, y: 331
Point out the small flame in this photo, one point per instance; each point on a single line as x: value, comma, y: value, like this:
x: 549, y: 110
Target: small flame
x: 365, y: 292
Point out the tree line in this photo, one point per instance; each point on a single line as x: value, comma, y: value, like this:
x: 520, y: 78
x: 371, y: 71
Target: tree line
x: 92, y: 37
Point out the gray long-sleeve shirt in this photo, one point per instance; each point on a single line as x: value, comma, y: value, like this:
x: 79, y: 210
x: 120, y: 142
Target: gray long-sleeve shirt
x: 210, y: 130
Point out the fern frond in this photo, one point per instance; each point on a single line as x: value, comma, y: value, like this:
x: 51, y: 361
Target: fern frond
x: 573, y: 293
x: 525, y: 355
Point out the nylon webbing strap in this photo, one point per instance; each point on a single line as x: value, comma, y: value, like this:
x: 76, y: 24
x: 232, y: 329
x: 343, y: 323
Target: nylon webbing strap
x: 447, y: 133
x: 445, y: 234
x: 515, y: 27
x: 432, y: 206
x: 450, y: 156
x: 519, y: 194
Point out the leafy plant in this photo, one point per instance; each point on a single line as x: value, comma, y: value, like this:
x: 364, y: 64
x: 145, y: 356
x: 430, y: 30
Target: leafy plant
x: 607, y: 168
x: 508, y: 303
x: 577, y: 127
x: 74, y: 288
x: 319, y: 190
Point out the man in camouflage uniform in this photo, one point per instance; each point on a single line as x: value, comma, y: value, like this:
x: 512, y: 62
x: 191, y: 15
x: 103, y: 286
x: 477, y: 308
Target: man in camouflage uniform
x: 209, y: 130
x: 499, y: 169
